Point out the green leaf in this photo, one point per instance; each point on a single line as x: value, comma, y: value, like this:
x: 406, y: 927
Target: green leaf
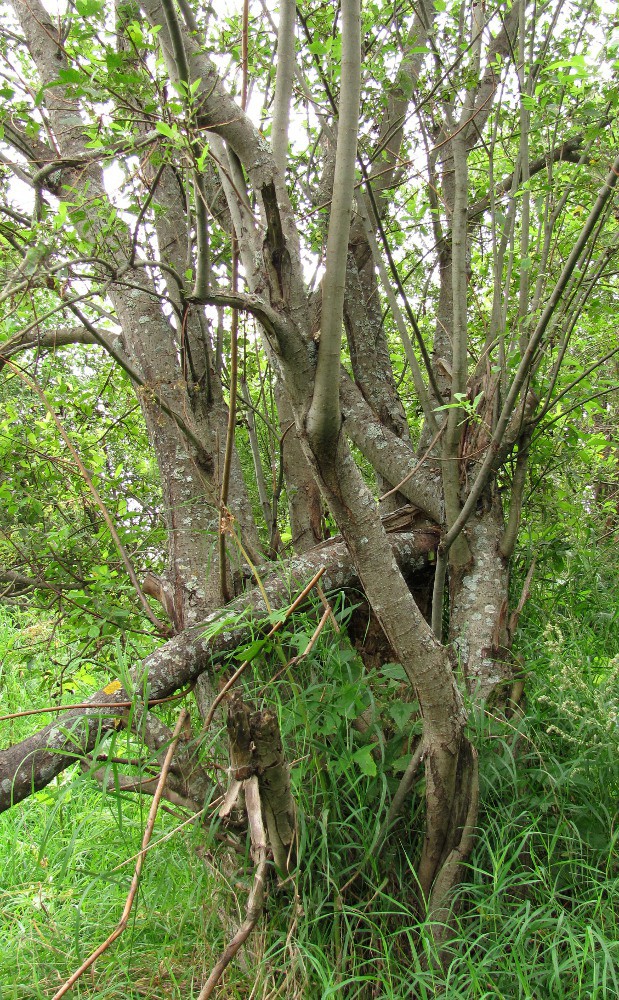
x: 318, y: 48
x: 394, y: 671
x: 67, y: 76
x: 576, y: 62
x: 251, y: 651
x: 365, y: 761
x: 277, y: 616
x: 136, y: 34
x: 88, y: 8
x: 169, y: 131
x: 401, y: 711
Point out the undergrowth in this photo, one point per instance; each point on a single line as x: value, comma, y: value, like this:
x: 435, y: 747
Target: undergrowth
x: 538, y: 913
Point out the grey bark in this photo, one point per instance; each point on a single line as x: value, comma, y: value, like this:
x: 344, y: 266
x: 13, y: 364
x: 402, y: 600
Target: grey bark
x: 33, y: 763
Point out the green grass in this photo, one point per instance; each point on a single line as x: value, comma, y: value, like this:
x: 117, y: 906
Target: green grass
x: 538, y: 914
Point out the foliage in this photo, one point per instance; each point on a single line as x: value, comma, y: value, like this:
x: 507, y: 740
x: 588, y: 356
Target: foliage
x: 483, y: 230
x: 51, y: 528
x: 538, y: 914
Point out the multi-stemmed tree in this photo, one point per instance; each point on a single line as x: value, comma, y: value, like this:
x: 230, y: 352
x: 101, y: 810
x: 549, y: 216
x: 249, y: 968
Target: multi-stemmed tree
x: 405, y: 211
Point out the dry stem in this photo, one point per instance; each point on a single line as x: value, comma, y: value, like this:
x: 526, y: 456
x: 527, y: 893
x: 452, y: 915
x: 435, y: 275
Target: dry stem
x: 135, y: 881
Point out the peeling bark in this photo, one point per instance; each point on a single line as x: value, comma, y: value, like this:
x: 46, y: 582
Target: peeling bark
x: 256, y: 749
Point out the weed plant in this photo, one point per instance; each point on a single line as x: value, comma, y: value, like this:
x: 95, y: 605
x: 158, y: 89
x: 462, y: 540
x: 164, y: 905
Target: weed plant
x: 537, y: 916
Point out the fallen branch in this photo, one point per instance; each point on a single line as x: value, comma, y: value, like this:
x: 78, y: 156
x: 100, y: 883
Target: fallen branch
x: 32, y: 764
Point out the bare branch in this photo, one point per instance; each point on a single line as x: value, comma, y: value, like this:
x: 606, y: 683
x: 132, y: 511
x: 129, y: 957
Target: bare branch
x: 85, y: 159
x: 49, y: 340
x: 270, y: 320
x: 324, y: 417
x: 411, y: 357
x: 500, y: 51
x: 255, y: 902
x: 283, y: 84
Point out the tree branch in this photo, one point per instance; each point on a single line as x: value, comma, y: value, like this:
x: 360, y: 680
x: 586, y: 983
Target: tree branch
x: 283, y: 85
x: 85, y: 159
x: 568, y: 152
x: 324, y: 417
x: 18, y: 583
x: 32, y: 764
x: 390, y: 456
x: 271, y: 321
x: 49, y: 340
x: 528, y: 357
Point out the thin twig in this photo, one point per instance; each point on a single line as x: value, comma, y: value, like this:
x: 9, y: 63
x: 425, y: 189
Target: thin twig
x: 166, y: 836
x: 144, y: 209
x: 302, y: 656
x: 124, y: 363
x: 524, y: 596
x: 135, y: 881
x: 224, y: 515
x: 321, y: 624
x: 401, y: 792
x: 327, y: 607
x: 97, y: 705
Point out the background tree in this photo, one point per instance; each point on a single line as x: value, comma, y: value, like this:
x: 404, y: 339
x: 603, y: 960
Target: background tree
x: 437, y: 183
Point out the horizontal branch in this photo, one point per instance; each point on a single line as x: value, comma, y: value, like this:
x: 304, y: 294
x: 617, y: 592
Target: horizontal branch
x: 108, y: 152
x: 49, y: 340
x: 18, y: 583
x: 32, y: 764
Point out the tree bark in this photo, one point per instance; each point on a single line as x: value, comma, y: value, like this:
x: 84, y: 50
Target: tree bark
x: 32, y: 764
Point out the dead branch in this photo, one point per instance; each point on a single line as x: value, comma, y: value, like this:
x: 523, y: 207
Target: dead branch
x: 260, y: 775
x: 255, y: 902
x: 114, y: 705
